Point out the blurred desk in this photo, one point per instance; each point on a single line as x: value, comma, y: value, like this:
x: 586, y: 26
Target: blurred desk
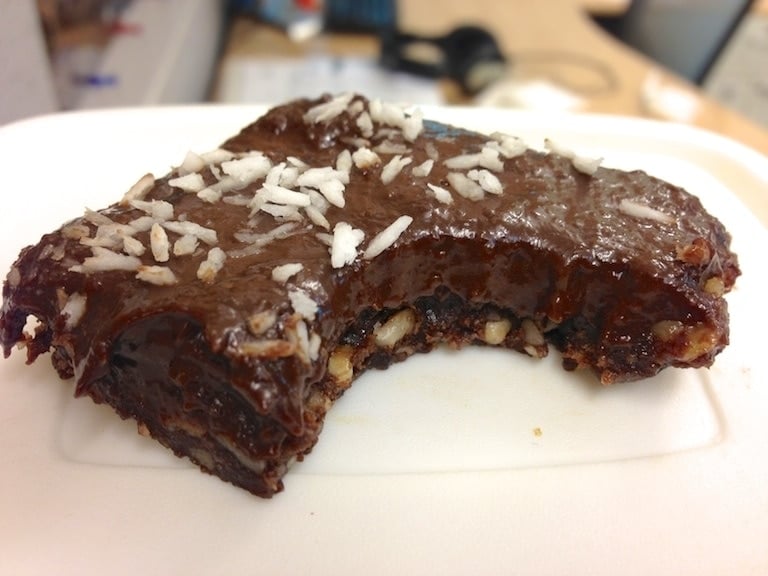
x: 555, y: 41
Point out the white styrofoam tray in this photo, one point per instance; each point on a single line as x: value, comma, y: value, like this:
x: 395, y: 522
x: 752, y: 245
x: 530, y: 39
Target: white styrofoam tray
x: 479, y: 461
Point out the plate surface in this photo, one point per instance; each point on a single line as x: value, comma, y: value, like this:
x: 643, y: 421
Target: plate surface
x: 479, y: 461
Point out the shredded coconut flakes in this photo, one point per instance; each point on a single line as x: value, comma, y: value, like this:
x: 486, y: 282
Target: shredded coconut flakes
x: 284, y: 272
x: 211, y: 266
x: 303, y: 303
x: 387, y: 237
x: 344, y: 244
x: 157, y: 275
x: 638, y: 210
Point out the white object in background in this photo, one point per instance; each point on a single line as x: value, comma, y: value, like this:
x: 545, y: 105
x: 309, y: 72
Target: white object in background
x: 171, y: 60
x: 666, y: 101
x: 529, y: 95
x: 25, y: 75
x: 279, y: 79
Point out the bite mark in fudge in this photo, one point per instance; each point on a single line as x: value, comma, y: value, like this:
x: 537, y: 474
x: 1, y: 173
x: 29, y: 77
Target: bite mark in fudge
x: 228, y: 304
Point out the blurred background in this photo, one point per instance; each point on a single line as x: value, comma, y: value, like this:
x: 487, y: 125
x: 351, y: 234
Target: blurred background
x: 696, y: 61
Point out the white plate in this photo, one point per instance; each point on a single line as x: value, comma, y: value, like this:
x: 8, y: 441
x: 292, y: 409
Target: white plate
x: 451, y: 463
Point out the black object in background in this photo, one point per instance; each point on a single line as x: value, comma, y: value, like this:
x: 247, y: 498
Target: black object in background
x: 468, y: 55
x: 359, y: 15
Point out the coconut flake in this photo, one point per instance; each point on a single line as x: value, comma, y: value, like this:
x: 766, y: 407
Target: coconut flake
x: 280, y: 195
x: 387, y: 237
x: 76, y: 231
x: 108, y: 236
x: 288, y: 177
x: 142, y: 223
x: 638, y: 210
x: 315, y: 341
x: 274, y: 174
x: 192, y: 163
x: 464, y: 186
x: 281, y: 211
x: 463, y: 161
x: 257, y: 241
x: 157, y: 275
x: 210, y: 195
x: 217, y: 156
x: 158, y: 242
x: 317, y: 200
x: 583, y: 164
x: 284, y: 272
x: 207, y: 235
x: 432, y: 151
x: 73, y: 310
x: 247, y: 169
x: 487, y: 180
x: 297, y: 163
x: 423, y: 169
x: 386, y: 113
x: 133, y: 247
x: 317, y: 217
x: 344, y: 161
x: 313, y: 177
x: 298, y: 335
x: 393, y: 168
x: 272, y: 348
x: 189, y: 182
x: 211, y: 265
x: 139, y: 190
x: 325, y: 238
x: 96, y: 218
x: 508, y: 146
x: 303, y: 303
x: 586, y: 165
x: 32, y: 326
x: 158, y: 210
x: 344, y: 245
x: 328, y: 181
x: 365, y: 158
x: 489, y: 158
x: 185, y: 245
x: 413, y: 125
x: 441, y: 194
x: 389, y: 147
x: 105, y: 260
x: 333, y: 191
x: 327, y: 111
x: 365, y: 124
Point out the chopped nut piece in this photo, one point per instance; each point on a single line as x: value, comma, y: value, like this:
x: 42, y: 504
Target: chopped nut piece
x: 701, y: 340
x: 666, y: 330
x: 531, y: 333
x: 395, y: 328
x: 697, y: 253
x: 340, y: 366
x: 496, y: 331
x: 715, y: 286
